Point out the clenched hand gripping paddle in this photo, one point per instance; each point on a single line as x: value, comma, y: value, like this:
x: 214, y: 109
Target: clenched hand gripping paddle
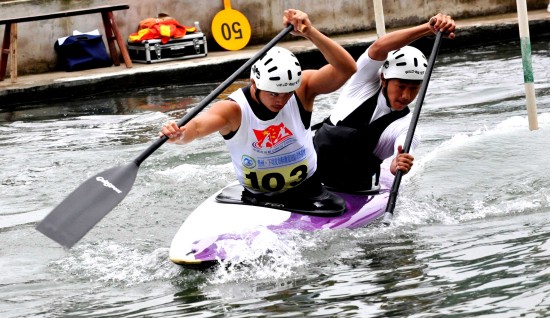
x: 97, y: 196
x: 414, y: 120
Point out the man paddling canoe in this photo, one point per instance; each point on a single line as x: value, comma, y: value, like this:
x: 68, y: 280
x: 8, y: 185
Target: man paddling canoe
x: 371, y: 118
x: 266, y: 125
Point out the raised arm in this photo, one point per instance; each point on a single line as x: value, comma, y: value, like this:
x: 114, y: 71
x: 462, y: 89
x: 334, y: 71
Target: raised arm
x: 330, y: 77
x: 395, y: 40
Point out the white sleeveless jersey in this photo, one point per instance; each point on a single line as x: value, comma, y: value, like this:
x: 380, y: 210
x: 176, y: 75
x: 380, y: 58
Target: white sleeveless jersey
x: 273, y: 155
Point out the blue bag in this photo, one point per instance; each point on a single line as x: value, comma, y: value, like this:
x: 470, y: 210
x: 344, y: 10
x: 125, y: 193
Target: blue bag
x: 82, y: 52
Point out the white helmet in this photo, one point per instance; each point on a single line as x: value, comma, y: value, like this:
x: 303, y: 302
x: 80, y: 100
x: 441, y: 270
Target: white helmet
x: 407, y: 63
x: 277, y: 71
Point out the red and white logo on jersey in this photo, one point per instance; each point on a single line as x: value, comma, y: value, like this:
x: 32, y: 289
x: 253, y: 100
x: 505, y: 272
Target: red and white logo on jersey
x: 272, y: 136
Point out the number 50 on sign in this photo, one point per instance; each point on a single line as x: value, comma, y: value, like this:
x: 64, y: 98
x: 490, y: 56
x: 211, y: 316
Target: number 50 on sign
x: 230, y: 28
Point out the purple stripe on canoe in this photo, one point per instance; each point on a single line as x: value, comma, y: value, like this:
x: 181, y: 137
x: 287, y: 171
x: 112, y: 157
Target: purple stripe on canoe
x: 361, y: 210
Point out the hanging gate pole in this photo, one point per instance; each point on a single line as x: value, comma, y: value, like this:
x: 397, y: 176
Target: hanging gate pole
x: 528, y: 79
x: 379, y: 18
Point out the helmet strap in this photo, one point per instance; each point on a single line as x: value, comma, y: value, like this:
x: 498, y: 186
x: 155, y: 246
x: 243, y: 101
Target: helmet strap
x: 385, y: 92
x: 257, y: 95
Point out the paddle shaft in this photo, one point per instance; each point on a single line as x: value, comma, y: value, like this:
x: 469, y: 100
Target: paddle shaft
x: 412, y: 127
x: 208, y: 99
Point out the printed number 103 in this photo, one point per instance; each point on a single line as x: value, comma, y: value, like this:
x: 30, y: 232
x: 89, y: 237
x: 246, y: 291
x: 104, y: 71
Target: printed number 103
x: 275, y: 181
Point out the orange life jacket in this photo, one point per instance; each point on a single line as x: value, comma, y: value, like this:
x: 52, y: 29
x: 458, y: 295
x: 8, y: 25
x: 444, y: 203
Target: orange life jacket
x: 163, y: 29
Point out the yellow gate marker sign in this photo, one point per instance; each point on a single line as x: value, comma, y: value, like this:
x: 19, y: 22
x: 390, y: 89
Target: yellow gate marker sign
x: 230, y: 28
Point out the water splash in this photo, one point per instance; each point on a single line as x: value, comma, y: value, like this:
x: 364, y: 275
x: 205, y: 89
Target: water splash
x: 456, y: 180
x: 270, y: 257
x: 110, y: 263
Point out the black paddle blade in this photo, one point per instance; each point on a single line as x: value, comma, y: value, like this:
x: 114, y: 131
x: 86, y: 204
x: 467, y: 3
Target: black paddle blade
x: 88, y: 204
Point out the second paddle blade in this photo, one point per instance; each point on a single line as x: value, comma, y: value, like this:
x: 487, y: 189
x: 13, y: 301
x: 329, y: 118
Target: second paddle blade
x: 88, y: 204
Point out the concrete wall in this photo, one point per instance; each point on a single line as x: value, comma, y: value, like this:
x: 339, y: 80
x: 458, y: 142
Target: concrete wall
x: 36, y: 39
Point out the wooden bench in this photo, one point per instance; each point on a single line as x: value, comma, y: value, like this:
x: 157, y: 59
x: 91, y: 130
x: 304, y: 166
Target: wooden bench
x: 9, y: 43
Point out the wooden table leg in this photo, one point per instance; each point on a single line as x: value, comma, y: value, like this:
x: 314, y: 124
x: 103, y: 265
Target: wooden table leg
x: 5, y: 51
x: 109, y: 19
x: 110, y: 38
x: 13, y: 53
x: 121, y: 43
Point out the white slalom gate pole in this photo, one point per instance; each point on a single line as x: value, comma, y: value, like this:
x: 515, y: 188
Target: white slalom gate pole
x: 379, y: 17
x: 528, y: 79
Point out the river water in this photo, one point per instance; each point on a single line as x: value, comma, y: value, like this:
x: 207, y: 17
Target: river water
x: 471, y: 235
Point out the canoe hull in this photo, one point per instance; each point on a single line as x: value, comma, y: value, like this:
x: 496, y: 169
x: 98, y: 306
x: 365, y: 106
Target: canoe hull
x: 215, y: 232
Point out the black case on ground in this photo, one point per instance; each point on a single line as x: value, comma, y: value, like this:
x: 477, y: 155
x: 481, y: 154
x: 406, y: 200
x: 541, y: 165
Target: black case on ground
x: 153, y: 51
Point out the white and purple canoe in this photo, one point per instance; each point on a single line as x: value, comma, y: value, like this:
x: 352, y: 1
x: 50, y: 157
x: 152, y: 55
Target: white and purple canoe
x: 208, y: 234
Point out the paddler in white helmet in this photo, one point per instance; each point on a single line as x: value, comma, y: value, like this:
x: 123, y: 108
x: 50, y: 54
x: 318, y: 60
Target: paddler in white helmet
x: 266, y: 125
x: 370, y: 120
